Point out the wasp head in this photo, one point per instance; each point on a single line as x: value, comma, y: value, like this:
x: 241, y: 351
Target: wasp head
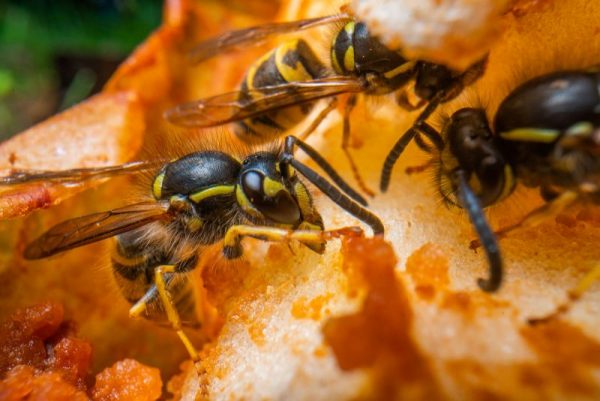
x: 265, y: 191
x: 472, y: 149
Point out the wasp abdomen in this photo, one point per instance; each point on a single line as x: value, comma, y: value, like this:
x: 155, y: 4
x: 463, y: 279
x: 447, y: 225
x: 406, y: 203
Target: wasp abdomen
x: 553, y: 102
x: 134, y: 261
x: 547, y: 126
x: 355, y: 51
x: 293, y: 61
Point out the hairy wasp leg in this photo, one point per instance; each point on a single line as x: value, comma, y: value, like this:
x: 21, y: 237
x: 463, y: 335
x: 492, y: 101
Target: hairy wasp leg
x: 350, y: 104
x: 574, y: 295
x: 232, y: 243
x: 171, y: 311
x: 317, y: 121
x: 403, y: 101
x: 292, y: 141
x: 537, y: 216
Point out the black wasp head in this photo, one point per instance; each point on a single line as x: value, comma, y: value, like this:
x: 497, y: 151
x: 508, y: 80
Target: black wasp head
x: 264, y: 189
x: 477, y: 154
x: 371, y: 55
x: 432, y: 79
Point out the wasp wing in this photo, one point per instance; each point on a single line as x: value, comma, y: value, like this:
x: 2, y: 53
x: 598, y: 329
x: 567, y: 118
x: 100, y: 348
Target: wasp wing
x: 94, y: 227
x: 236, y: 106
x: 256, y: 34
x: 74, y: 176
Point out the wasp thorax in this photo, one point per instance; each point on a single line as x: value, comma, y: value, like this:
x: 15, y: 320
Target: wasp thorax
x: 195, y: 173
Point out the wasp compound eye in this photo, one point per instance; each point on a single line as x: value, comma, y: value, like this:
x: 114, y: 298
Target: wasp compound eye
x: 469, y: 138
x: 252, y: 184
x: 275, y: 203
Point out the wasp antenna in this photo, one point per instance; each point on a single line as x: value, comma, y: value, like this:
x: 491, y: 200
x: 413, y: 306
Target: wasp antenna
x: 488, y: 240
x: 291, y: 141
x: 338, y: 197
x: 392, y: 158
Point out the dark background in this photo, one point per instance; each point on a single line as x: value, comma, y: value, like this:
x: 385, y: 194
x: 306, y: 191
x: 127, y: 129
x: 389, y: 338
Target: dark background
x: 55, y: 53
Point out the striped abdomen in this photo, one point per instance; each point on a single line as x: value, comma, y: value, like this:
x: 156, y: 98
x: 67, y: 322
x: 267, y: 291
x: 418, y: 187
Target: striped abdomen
x: 293, y: 61
x: 355, y: 52
x: 134, y: 261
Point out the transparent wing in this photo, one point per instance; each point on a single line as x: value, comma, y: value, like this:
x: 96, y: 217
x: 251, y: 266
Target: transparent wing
x: 236, y: 106
x: 94, y: 227
x: 76, y: 175
x: 254, y: 35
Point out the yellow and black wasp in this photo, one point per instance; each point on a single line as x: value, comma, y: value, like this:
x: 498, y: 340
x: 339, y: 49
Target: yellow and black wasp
x: 281, y: 88
x: 545, y: 134
x: 196, y: 201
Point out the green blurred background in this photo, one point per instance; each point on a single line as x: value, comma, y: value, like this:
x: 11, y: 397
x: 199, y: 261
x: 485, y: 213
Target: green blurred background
x: 55, y: 53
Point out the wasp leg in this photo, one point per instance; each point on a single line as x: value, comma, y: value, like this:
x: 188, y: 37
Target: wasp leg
x: 403, y: 101
x: 305, y: 225
x: 317, y: 121
x: 404, y: 140
x: 138, y: 309
x: 346, y: 144
x: 433, y: 135
x: 232, y: 247
x: 474, y: 72
x: 537, y: 216
x: 170, y: 309
x: 420, y: 168
x: 425, y: 147
x: 573, y: 296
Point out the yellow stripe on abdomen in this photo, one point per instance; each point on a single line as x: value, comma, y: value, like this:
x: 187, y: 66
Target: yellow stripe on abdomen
x: 541, y: 135
x: 291, y: 73
x: 254, y: 67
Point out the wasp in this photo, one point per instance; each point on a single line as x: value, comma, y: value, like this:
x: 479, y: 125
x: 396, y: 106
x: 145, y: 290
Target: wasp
x: 281, y: 88
x: 545, y: 135
x: 196, y: 201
